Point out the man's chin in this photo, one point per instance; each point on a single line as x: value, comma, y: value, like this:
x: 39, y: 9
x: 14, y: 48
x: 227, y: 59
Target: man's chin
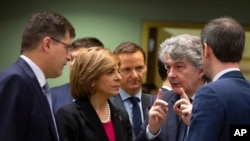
x: 176, y: 90
x: 135, y: 87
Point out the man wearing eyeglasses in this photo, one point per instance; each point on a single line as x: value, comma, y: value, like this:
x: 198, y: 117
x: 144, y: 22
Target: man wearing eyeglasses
x: 25, y: 100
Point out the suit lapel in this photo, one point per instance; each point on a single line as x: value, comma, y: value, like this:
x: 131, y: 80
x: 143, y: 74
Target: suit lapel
x: 117, y: 101
x: 172, y: 119
x: 39, y: 94
x: 88, y: 112
x: 145, y: 100
x: 117, y: 119
x: 44, y: 102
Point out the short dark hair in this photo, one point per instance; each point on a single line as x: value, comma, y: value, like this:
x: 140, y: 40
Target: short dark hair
x: 129, y: 47
x: 226, y: 37
x: 162, y: 70
x: 44, y: 24
x: 87, y: 42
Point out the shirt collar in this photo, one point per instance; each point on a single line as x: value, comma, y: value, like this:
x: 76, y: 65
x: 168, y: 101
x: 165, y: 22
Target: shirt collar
x: 218, y: 75
x: 37, y: 71
x: 166, y: 87
x: 124, y: 95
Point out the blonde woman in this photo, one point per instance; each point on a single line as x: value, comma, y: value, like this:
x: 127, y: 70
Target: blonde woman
x: 91, y: 117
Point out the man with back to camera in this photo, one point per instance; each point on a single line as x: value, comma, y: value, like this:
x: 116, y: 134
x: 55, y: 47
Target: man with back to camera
x: 226, y: 100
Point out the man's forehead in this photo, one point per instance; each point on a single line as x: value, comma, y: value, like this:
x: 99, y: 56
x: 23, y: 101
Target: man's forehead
x: 178, y: 61
x: 131, y: 65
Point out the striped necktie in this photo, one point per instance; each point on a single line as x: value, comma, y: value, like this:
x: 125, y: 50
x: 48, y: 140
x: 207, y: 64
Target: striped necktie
x: 136, y: 114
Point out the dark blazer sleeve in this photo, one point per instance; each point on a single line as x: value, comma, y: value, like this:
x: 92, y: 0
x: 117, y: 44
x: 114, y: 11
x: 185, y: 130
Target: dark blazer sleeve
x: 169, y: 127
x: 146, y: 103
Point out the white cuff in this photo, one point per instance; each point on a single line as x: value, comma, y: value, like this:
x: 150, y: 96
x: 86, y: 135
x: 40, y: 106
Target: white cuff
x: 150, y: 136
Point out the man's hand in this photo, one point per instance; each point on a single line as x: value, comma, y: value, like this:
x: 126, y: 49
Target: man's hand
x: 183, y: 107
x: 157, y: 114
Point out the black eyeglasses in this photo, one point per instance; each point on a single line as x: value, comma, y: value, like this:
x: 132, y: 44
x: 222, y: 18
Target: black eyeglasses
x: 68, y: 46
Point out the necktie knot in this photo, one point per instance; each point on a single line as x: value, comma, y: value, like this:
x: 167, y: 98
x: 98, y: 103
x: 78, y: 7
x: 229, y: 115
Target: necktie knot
x: 134, y: 99
x: 191, y: 100
x: 46, y: 88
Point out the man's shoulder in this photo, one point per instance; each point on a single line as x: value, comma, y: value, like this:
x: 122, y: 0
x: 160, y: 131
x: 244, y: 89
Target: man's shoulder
x: 146, y: 97
x: 61, y: 92
x: 61, y: 87
x: 113, y: 99
x: 166, y: 95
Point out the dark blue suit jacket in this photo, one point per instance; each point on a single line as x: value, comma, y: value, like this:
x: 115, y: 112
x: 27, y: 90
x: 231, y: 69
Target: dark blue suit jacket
x: 145, y: 99
x: 61, y: 96
x: 169, y: 129
x: 218, y: 105
x: 24, y: 110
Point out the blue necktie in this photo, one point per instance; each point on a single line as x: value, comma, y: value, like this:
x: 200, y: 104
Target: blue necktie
x: 48, y: 96
x: 136, y: 114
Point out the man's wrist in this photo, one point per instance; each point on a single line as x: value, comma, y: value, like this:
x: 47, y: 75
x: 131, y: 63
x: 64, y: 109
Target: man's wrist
x: 151, y: 135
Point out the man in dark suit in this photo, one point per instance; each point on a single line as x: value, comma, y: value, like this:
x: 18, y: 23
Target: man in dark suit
x: 132, y: 71
x: 226, y: 100
x: 25, y: 106
x: 61, y: 94
x: 168, y: 120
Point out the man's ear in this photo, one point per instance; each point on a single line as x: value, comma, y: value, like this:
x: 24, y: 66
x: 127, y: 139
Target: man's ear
x: 46, y: 43
x: 205, y: 50
x: 201, y: 72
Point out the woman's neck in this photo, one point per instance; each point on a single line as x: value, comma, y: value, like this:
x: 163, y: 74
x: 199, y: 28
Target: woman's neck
x: 101, y: 107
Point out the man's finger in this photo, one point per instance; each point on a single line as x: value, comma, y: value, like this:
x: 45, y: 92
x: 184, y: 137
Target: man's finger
x: 159, y: 95
x: 183, y: 94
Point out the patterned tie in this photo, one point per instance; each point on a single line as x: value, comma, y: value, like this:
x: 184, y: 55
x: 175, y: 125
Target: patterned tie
x: 136, y: 114
x: 48, y: 96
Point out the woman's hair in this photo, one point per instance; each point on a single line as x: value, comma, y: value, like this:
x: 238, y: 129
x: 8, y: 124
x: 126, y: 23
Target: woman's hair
x: 89, y: 65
